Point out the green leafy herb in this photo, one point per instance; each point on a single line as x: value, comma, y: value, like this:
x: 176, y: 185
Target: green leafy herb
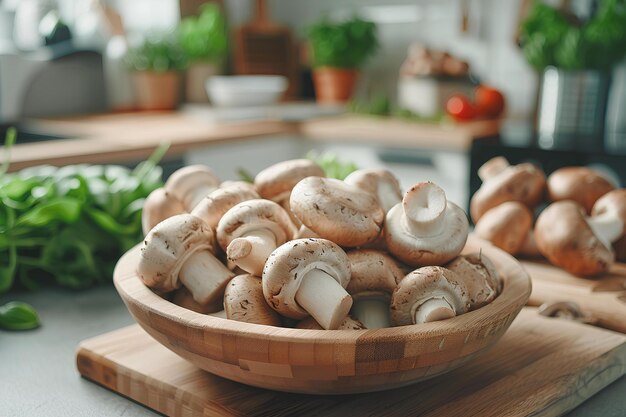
x: 245, y: 175
x: 159, y: 54
x: 18, y: 316
x: 342, y: 45
x: 204, y: 38
x: 332, y: 166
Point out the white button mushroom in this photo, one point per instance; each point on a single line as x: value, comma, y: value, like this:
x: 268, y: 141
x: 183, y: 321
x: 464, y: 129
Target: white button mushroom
x: 180, y: 248
x: 191, y: 184
x: 158, y: 206
x: 307, y: 277
x: 479, y: 276
x: 337, y: 211
x: 183, y: 298
x: 428, y: 294
x: 380, y: 183
x: 425, y: 229
x: 374, y: 276
x: 244, y: 301
x: 251, y: 230
x: 502, y: 182
x: 217, y: 203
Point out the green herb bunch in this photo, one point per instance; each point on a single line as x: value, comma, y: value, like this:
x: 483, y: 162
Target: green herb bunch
x: 550, y: 38
x: 204, y: 38
x: 158, y: 54
x: 342, y: 45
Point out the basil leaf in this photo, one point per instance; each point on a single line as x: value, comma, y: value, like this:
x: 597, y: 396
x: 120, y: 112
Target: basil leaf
x: 17, y: 315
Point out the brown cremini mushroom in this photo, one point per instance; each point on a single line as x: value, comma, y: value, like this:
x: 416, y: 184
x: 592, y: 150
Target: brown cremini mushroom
x: 580, y: 184
x: 244, y: 301
x: 347, y: 324
x: 276, y: 182
x: 251, y: 230
x: 576, y: 243
x: 217, y: 203
x: 524, y: 183
x: 479, y: 276
x: 425, y: 229
x: 191, y: 184
x: 614, y: 201
x: 308, y: 277
x: 374, y: 276
x: 508, y: 226
x: 180, y: 250
x: 428, y: 294
x: 337, y: 211
x: 159, y: 205
x: 381, y: 183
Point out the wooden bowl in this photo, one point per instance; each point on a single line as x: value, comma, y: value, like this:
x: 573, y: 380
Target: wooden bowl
x: 326, y: 361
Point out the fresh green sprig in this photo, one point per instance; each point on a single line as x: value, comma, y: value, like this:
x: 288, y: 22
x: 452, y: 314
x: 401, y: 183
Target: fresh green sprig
x: 333, y: 167
x: 17, y: 315
x: 204, y: 37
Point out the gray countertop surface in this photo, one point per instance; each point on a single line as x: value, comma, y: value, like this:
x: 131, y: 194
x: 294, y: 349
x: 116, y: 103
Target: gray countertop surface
x: 38, y: 376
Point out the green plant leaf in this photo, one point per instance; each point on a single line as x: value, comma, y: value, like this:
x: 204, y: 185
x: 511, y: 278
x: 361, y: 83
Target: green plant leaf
x: 17, y: 315
x: 63, y: 209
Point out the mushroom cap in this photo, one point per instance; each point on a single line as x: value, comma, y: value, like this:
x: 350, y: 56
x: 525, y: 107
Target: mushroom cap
x: 251, y: 215
x: 506, y: 226
x: 417, y: 250
x: 423, y: 284
x: 580, y: 184
x: 184, y: 181
x: 348, y: 324
x: 168, y: 246
x: 218, y: 202
x: 158, y: 206
x: 372, y: 271
x: 277, y: 181
x: 524, y: 183
x: 381, y: 183
x: 238, y: 184
x: 565, y: 238
x: 289, y: 263
x: 479, y: 276
x: 614, y: 201
x: 244, y: 301
x: 337, y: 211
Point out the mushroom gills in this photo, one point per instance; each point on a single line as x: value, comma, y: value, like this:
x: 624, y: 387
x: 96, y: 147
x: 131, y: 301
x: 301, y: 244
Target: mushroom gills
x: 250, y: 251
x: 608, y: 227
x: 435, y: 308
x: 372, y: 309
x: 323, y: 298
x: 204, y: 276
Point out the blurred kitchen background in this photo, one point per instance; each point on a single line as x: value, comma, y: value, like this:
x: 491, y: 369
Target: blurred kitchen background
x: 557, y: 65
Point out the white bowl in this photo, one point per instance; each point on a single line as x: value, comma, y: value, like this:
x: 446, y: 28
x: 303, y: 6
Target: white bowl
x: 245, y: 90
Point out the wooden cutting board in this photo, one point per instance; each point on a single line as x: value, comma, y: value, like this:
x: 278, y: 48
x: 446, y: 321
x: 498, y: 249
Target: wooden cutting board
x: 541, y: 367
x: 603, y: 298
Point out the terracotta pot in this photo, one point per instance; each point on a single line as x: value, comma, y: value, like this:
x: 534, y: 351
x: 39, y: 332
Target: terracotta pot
x: 157, y: 90
x: 334, y: 85
x: 197, y: 74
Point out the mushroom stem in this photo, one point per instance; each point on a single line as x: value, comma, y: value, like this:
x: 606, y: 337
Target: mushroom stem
x: 424, y: 208
x: 221, y: 314
x: 373, y: 312
x: 433, y: 309
x: 250, y: 252
x: 608, y: 227
x: 204, y: 276
x: 492, y: 167
x: 323, y: 298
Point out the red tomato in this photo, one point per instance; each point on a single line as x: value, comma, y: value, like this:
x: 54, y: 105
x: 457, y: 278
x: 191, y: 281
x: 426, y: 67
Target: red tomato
x: 489, y: 101
x: 460, y: 108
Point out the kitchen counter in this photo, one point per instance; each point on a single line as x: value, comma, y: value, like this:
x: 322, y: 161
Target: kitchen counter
x: 39, y: 376
x: 128, y: 137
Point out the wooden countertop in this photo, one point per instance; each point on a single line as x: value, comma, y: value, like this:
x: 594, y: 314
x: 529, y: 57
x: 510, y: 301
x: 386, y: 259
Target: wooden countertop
x: 133, y: 136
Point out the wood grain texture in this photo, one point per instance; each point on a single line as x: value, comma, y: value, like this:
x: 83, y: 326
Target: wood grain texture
x: 399, y: 133
x: 602, y: 298
x: 321, y: 361
x: 540, y: 367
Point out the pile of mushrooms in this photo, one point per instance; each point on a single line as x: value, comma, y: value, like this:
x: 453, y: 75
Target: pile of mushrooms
x: 581, y: 230
x: 297, y: 249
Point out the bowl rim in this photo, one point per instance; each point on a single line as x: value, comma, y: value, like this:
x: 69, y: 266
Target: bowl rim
x: 516, y: 290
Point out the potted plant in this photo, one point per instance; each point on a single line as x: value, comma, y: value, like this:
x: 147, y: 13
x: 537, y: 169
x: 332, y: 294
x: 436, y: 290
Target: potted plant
x: 575, y: 56
x: 204, y: 41
x: 157, y: 64
x: 338, y: 51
